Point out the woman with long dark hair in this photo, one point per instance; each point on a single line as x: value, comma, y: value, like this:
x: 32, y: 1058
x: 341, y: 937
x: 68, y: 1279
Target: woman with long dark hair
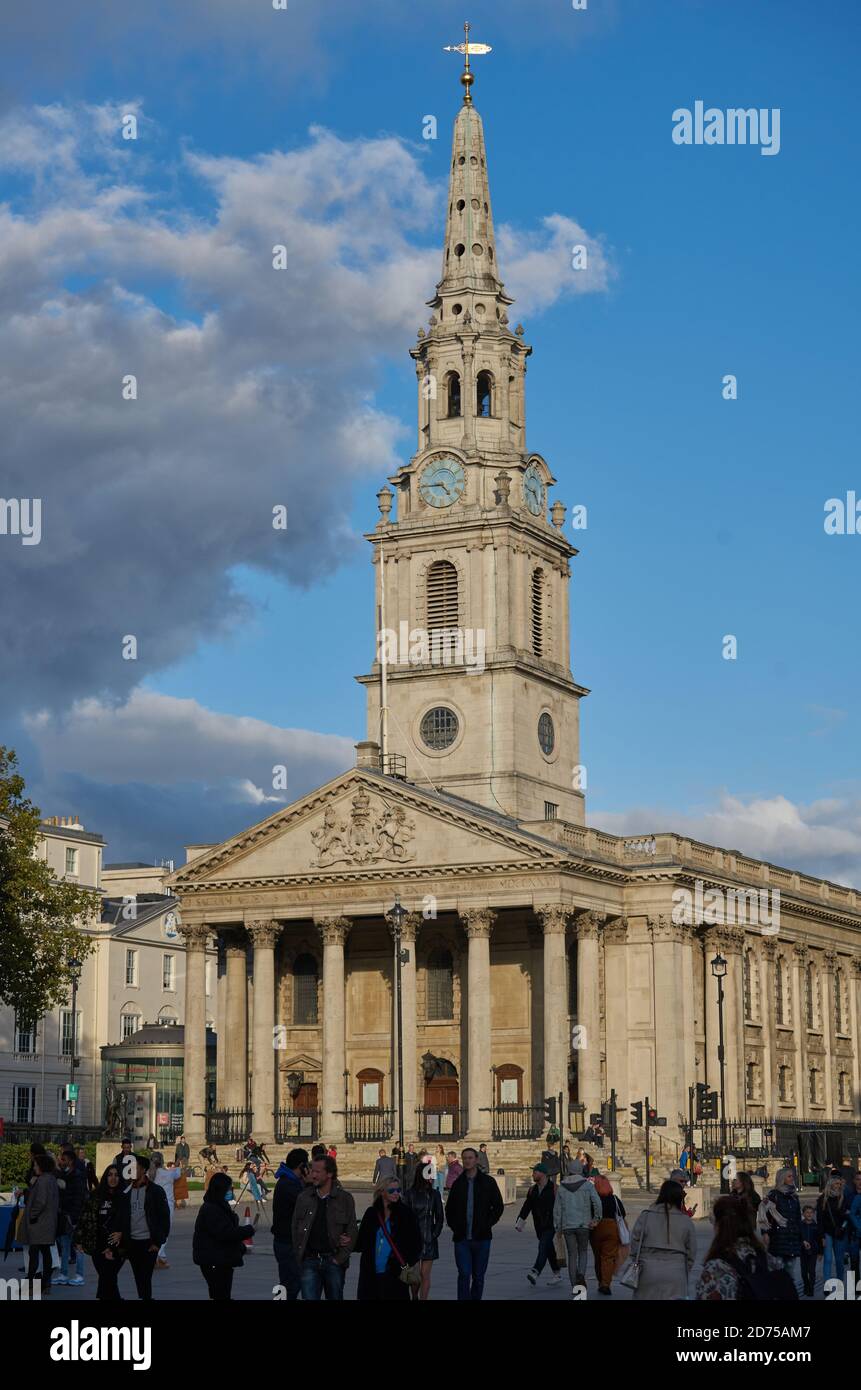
x: 664, y: 1245
x: 389, y: 1242
x: 99, y: 1233
x: 742, y: 1187
x: 217, y: 1246
x: 425, y: 1203
x: 735, y: 1242
x: 38, y: 1226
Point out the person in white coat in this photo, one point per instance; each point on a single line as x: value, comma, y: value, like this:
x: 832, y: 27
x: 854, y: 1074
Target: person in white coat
x: 165, y: 1178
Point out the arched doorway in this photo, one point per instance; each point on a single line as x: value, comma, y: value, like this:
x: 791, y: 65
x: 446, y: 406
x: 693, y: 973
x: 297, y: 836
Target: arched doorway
x: 440, y: 1115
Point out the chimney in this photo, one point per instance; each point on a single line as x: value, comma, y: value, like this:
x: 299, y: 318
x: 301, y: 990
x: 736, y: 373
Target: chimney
x: 368, y: 755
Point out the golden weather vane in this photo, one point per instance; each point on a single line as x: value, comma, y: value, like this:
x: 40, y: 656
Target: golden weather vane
x: 467, y: 48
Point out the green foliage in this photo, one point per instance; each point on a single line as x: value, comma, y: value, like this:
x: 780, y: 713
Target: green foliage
x: 38, y: 911
x: 15, y: 1161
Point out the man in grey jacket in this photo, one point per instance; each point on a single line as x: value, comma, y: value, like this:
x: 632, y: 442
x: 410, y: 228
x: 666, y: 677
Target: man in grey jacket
x: 576, y: 1210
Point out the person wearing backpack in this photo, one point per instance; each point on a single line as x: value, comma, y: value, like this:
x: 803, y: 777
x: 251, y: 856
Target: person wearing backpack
x: 737, y: 1266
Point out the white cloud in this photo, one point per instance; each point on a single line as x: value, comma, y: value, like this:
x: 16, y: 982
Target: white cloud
x: 822, y: 838
x: 538, y: 265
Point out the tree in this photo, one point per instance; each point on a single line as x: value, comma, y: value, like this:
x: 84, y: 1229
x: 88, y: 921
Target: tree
x: 39, y: 913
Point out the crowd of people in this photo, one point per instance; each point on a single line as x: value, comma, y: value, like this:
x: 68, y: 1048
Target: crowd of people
x: 765, y: 1247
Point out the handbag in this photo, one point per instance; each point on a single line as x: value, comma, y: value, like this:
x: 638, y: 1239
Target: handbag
x: 622, y: 1226
x: 410, y: 1274
x: 560, y: 1249
x: 629, y: 1276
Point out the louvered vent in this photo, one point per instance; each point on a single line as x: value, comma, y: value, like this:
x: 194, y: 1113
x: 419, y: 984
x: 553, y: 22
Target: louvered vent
x: 442, y: 595
x: 537, y: 611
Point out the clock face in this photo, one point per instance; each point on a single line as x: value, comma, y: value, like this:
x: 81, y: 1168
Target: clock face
x: 534, y: 490
x: 442, y: 482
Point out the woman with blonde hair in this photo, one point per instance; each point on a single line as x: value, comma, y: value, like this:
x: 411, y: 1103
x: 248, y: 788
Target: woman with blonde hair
x: 832, y: 1218
x: 389, y: 1243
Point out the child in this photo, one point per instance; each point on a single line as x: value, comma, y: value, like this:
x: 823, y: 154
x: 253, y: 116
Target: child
x: 811, y: 1248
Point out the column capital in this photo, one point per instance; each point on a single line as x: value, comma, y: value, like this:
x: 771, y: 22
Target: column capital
x: 856, y: 965
x: 264, y: 933
x: 588, y: 924
x: 478, y: 922
x: 196, y: 938
x: 410, y: 927
x: 801, y: 952
x: 830, y: 958
x: 769, y: 948
x: 616, y: 931
x: 553, y: 918
x: 235, y: 940
x: 333, y: 930
x: 663, y: 928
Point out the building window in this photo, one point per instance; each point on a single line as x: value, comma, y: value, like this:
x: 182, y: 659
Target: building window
x: 131, y: 967
x: 440, y: 984
x: 812, y: 992
x: 70, y: 1036
x: 71, y: 861
x: 370, y: 1083
x: 439, y: 728
x: 844, y: 1088
x: 442, y: 596
x: 752, y: 1081
x: 509, y: 1085
x: 783, y: 1083
x: 751, y: 986
x: 166, y: 1017
x: 168, y: 974
x: 779, y: 988
x: 453, y: 394
x: 813, y: 1085
x: 551, y: 810
x: 484, y: 395
x: 25, y: 1037
x: 841, y: 1011
x: 305, y: 990
x: 546, y: 736
x: 129, y: 1023
x: 24, y: 1104
x: 537, y: 611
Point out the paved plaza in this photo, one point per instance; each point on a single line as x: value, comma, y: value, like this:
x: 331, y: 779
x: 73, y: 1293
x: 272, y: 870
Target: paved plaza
x: 511, y: 1256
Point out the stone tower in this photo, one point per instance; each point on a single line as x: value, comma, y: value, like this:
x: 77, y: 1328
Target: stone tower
x: 472, y: 573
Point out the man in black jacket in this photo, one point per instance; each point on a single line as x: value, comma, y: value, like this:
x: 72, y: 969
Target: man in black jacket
x: 72, y: 1179
x: 474, y: 1206
x: 146, y: 1226
x: 539, y: 1205
x: 294, y: 1175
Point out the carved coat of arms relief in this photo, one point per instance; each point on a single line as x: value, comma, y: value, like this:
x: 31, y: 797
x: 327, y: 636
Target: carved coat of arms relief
x: 372, y: 833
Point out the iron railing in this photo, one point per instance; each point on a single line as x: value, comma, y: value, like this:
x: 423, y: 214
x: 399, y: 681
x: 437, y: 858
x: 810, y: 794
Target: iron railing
x: 441, y: 1122
x: 293, y: 1124
x: 51, y: 1134
x: 517, y: 1121
x: 227, y: 1126
x: 770, y: 1136
x: 368, y: 1123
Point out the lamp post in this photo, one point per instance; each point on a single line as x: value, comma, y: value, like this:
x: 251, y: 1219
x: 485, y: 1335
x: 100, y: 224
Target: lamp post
x: 719, y: 969
x: 395, y: 917
x: 75, y: 974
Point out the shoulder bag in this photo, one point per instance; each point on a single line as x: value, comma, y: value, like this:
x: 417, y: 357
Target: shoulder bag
x: 410, y: 1274
x: 629, y: 1276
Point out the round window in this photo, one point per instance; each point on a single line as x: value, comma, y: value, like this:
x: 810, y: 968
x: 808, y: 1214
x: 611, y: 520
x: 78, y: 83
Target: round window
x: 439, y: 728
x: 546, y: 735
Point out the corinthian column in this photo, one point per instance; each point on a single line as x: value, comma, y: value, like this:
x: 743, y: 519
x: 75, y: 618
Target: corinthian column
x: 671, y: 1044
x: 616, y: 1004
x: 588, y: 1011
x: 334, y: 932
x: 409, y: 934
x: 478, y: 925
x: 235, y: 1032
x: 194, y: 1064
x: 263, y: 937
x: 553, y: 919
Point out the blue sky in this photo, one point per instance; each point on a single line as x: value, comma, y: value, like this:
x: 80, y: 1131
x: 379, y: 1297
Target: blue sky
x: 705, y: 515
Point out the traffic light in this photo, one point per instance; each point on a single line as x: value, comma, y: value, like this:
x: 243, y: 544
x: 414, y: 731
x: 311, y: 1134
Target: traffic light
x: 637, y: 1112
x: 652, y: 1115
x: 707, y: 1102
x: 609, y: 1120
x: 550, y: 1109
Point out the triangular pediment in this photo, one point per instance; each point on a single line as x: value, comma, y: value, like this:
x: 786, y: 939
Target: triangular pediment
x: 365, y: 821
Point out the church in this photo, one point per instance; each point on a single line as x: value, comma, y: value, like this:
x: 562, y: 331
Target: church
x: 436, y: 942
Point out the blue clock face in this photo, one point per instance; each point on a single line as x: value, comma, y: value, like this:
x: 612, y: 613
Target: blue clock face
x: 534, y: 490
x: 442, y: 482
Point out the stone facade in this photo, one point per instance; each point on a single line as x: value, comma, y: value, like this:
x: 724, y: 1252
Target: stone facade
x: 541, y: 956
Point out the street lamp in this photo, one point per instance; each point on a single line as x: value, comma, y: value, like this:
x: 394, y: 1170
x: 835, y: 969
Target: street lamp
x: 75, y: 968
x: 719, y: 969
x: 396, y: 916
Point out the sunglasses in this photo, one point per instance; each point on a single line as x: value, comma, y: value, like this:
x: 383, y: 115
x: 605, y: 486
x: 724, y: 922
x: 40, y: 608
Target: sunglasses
x: 392, y: 1191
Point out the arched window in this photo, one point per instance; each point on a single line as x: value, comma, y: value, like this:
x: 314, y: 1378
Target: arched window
x: 484, y: 395
x: 779, y: 987
x: 509, y: 1084
x: 453, y: 394
x: 370, y: 1084
x: 305, y: 989
x: 440, y: 984
x: 572, y: 980
x: 841, y: 1012
x: 812, y: 991
x: 442, y: 595
x: 537, y: 611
